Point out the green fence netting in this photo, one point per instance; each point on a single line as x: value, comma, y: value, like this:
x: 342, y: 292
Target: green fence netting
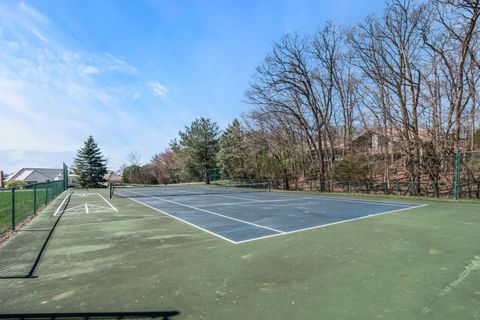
x: 19, y: 203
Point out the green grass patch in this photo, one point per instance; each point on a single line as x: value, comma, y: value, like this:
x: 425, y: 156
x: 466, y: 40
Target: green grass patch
x: 23, y: 204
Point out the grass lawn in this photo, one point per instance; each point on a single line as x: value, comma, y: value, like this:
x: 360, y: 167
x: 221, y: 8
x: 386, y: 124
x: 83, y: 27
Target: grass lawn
x: 24, y: 206
x: 419, y: 264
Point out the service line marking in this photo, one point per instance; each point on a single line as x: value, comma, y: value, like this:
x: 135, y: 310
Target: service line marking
x: 253, y: 201
x: 182, y: 220
x: 210, y: 212
x: 234, y: 197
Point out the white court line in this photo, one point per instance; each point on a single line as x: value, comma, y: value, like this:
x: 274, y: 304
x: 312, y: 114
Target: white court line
x: 280, y: 233
x: 234, y: 197
x: 331, y: 224
x: 361, y: 201
x: 116, y: 210
x: 80, y: 205
x: 61, y: 204
x: 184, y: 221
x: 86, y: 208
x: 210, y: 212
x: 254, y: 201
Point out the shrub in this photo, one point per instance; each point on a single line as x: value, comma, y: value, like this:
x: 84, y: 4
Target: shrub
x: 14, y: 183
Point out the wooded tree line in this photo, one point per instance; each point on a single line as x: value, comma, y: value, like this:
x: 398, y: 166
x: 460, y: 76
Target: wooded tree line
x: 389, y: 99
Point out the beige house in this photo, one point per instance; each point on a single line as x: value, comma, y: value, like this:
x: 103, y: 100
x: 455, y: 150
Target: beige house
x: 379, y: 140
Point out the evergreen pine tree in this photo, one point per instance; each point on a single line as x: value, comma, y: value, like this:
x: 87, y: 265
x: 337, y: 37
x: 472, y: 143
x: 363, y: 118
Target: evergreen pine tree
x: 199, y: 143
x: 231, y: 156
x: 90, y: 165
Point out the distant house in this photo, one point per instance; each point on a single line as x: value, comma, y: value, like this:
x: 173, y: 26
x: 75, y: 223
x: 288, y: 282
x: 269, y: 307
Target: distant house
x: 112, y: 177
x: 374, y: 141
x: 36, y: 175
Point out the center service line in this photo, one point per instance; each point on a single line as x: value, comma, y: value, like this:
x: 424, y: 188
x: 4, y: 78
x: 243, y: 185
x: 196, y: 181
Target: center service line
x: 210, y: 212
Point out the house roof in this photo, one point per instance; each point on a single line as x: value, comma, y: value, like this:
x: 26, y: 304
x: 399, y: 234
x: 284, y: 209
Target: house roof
x: 422, y: 133
x: 34, y: 174
x: 112, y: 176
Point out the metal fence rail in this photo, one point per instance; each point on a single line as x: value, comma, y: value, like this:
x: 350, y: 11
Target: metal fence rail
x: 18, y: 204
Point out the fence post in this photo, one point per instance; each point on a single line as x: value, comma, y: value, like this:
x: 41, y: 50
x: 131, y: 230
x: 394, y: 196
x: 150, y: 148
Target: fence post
x: 34, y: 198
x: 46, y: 192
x: 456, y: 177
x: 13, y: 209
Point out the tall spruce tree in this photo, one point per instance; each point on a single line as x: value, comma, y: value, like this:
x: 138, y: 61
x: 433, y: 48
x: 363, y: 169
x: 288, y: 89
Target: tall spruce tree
x: 90, y: 165
x: 231, y: 156
x: 199, y: 143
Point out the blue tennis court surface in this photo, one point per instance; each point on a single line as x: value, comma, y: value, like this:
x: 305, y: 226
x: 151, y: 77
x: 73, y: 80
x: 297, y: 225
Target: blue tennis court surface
x: 242, y: 217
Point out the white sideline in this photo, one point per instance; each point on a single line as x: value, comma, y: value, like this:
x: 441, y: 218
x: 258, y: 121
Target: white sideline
x: 116, y: 210
x: 60, y: 206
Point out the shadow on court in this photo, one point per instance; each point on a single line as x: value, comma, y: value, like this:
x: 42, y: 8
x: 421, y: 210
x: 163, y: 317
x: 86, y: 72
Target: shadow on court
x: 164, y: 315
x: 20, y: 257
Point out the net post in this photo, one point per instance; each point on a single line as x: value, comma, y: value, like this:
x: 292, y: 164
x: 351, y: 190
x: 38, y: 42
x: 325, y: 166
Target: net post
x: 111, y: 190
x: 13, y: 209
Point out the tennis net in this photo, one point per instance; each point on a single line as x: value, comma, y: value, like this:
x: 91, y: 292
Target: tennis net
x: 178, y: 190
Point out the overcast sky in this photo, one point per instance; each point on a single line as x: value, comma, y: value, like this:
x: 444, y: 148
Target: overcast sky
x: 134, y: 73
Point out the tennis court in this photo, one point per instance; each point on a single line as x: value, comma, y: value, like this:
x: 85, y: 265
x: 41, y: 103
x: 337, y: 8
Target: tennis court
x: 239, y: 214
x: 89, y: 256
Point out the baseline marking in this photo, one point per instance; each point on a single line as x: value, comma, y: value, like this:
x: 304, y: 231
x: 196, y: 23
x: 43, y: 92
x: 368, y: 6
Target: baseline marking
x: 116, y: 210
x: 61, y: 204
x: 86, y: 208
x: 210, y: 212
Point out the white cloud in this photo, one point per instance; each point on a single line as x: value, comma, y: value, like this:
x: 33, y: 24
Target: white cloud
x: 39, y: 35
x: 33, y: 13
x: 158, y: 89
x: 13, y: 160
x: 90, y: 70
x: 116, y: 64
x: 53, y: 95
